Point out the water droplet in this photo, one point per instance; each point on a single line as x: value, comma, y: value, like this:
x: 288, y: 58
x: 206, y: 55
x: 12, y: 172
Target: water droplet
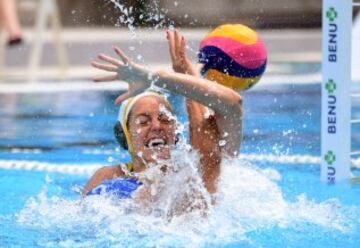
x: 48, y: 179
x: 110, y: 159
x: 286, y: 132
x: 125, y: 12
x: 222, y: 143
x: 153, y: 190
x: 150, y: 76
x: 209, y: 112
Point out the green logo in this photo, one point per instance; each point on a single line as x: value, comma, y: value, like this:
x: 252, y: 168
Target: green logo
x: 331, y: 14
x: 330, y: 86
x: 330, y: 157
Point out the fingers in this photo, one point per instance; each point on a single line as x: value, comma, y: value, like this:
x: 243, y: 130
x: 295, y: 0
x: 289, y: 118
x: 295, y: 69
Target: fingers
x: 109, y: 59
x: 182, y: 47
x: 105, y: 67
x: 122, y: 55
x: 171, y: 42
x: 177, y: 42
x: 106, y: 78
x: 123, y: 97
x: 177, y: 45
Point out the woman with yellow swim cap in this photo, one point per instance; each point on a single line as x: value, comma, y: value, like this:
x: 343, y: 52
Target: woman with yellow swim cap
x: 149, y: 128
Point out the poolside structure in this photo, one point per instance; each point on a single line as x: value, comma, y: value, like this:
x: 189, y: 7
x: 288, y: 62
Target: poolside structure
x: 336, y: 90
x: 44, y: 11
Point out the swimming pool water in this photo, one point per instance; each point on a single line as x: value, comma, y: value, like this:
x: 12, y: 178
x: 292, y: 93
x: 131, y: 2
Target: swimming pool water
x: 279, y: 119
x: 37, y: 208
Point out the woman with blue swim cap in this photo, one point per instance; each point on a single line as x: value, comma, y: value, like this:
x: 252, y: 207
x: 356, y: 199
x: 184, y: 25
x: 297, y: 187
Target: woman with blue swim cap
x: 146, y: 125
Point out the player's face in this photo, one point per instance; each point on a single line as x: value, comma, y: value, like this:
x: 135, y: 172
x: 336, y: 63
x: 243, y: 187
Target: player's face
x: 152, y: 129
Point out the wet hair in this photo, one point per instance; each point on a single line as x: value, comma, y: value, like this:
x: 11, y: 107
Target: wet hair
x: 120, y: 135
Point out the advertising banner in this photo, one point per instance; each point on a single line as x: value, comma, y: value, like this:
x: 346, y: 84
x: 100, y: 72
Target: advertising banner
x: 335, y: 91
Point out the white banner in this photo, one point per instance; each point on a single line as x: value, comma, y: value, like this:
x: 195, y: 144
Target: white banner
x: 335, y: 91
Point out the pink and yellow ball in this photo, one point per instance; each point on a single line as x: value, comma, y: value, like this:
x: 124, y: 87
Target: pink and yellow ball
x: 233, y: 55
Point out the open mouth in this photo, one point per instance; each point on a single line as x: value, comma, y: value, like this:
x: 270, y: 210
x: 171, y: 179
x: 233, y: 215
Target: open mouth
x: 156, y: 143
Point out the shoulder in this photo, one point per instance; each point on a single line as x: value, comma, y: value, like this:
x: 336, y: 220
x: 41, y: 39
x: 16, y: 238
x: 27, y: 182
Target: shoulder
x: 109, y: 172
x: 102, y: 174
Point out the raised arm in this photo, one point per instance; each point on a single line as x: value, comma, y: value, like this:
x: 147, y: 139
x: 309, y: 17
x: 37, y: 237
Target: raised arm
x: 219, y: 98
x: 201, y: 124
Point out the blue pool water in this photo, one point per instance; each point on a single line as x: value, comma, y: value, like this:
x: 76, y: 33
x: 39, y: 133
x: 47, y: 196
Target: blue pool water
x: 263, y: 204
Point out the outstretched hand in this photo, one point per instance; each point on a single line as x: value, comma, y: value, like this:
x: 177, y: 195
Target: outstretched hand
x: 137, y: 76
x: 177, y: 47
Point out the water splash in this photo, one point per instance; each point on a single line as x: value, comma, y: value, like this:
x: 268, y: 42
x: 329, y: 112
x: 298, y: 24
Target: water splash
x: 249, y: 199
x: 153, y: 15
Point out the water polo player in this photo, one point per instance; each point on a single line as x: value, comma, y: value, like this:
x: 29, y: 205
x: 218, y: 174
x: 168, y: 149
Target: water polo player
x: 206, y: 132
x: 212, y: 135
